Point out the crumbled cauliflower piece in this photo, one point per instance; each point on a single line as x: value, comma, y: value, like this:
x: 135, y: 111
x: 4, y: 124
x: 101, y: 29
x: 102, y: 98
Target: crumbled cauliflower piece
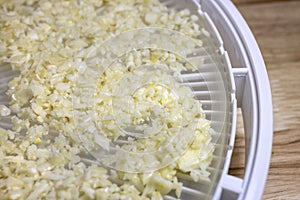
x: 151, y: 18
x: 4, y: 111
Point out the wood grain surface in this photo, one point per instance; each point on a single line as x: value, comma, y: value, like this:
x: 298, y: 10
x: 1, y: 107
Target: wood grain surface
x: 276, y: 26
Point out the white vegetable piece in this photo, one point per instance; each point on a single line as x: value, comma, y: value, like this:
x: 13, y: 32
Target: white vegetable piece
x: 4, y: 111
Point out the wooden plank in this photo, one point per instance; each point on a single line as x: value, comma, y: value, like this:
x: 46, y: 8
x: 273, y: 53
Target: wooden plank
x: 257, y: 1
x: 276, y: 26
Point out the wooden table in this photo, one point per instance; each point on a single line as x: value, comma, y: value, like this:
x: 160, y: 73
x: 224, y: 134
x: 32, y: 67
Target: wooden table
x: 276, y: 26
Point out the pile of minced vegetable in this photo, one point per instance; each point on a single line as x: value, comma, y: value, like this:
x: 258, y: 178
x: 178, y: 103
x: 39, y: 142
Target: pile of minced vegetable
x: 47, y: 43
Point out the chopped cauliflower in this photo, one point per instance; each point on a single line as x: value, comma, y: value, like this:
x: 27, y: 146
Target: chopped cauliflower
x: 4, y: 111
x: 48, y: 43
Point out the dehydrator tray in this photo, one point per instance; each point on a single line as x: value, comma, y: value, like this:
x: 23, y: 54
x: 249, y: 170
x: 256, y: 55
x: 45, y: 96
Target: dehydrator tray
x: 223, y: 71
